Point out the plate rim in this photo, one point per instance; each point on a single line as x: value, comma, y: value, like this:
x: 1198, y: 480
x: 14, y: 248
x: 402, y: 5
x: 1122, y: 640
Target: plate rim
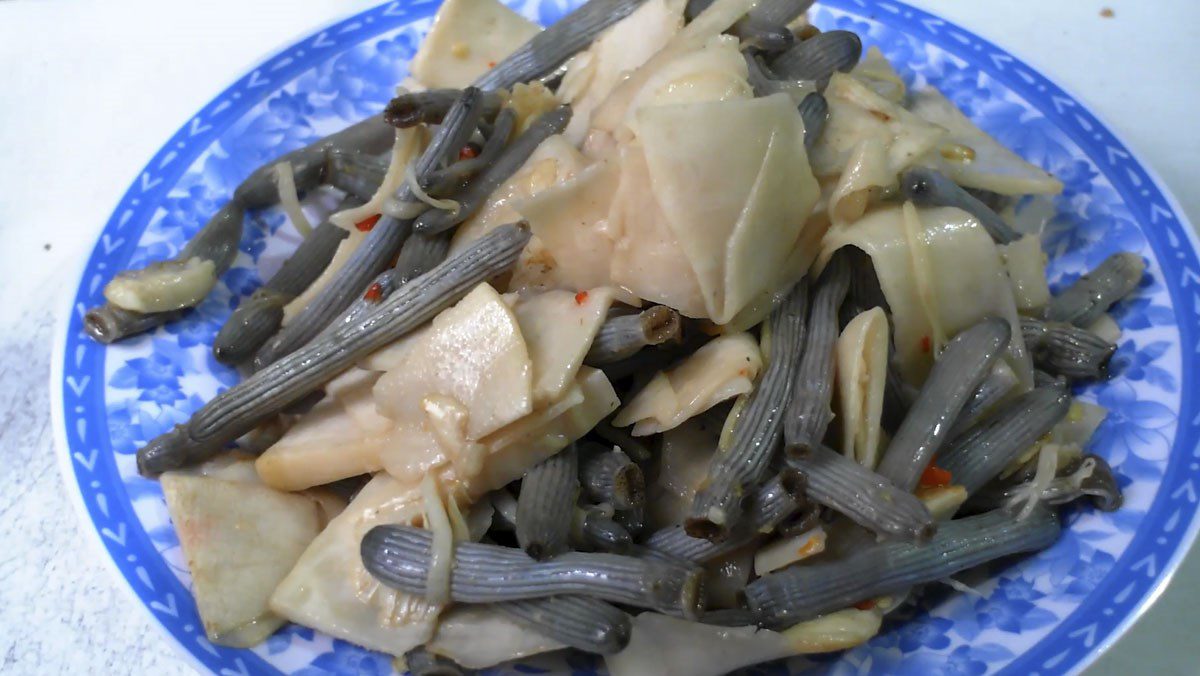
x: 66, y: 308
x: 1145, y: 217
x: 1189, y: 540
x: 1175, y: 212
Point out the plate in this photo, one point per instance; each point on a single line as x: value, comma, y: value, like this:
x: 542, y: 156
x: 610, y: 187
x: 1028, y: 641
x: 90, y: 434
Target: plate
x: 1052, y: 613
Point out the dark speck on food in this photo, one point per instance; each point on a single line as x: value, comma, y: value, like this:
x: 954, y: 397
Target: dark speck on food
x: 46, y: 246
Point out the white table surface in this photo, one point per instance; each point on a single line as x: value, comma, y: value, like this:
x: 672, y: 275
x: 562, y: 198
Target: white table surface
x: 90, y: 90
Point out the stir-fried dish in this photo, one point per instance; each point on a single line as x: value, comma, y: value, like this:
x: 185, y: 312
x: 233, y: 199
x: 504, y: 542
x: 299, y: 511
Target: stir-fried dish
x: 683, y: 333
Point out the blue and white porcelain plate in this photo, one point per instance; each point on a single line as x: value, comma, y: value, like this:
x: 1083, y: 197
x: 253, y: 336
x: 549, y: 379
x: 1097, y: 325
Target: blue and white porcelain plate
x: 1049, y: 614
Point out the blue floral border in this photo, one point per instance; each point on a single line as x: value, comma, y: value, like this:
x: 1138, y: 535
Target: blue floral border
x: 92, y: 460
x: 1170, y: 526
x: 1145, y: 565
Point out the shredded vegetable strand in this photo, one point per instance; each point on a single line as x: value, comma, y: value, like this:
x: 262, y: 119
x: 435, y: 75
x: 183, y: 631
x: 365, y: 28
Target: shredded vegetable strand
x: 441, y: 558
x: 289, y: 200
x: 414, y: 186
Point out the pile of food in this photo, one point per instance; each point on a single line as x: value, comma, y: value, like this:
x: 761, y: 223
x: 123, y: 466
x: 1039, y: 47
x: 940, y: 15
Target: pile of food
x: 679, y: 332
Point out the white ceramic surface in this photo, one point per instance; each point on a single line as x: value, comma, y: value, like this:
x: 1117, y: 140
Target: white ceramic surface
x: 104, y: 86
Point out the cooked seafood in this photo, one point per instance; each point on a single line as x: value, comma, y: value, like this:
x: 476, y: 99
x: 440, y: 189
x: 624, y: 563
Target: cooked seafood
x: 679, y: 330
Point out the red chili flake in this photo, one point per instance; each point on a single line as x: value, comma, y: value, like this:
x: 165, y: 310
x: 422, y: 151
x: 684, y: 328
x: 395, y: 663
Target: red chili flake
x: 865, y: 605
x: 468, y: 151
x: 366, y: 224
x: 935, y: 477
x: 926, y: 344
x: 581, y: 298
x: 374, y: 293
x: 491, y: 64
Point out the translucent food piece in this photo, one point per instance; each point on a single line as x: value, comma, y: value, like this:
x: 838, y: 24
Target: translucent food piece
x: 866, y: 175
x: 647, y: 259
x: 786, y: 551
x: 941, y: 273
x: 877, y: 72
x: 988, y: 165
x: 441, y: 551
x: 327, y: 444
x: 354, y: 390
x: 558, y: 328
x: 464, y: 376
x: 803, y: 252
x: 717, y: 17
x: 234, y: 467
x: 716, y: 71
x: 838, y: 630
x: 409, y: 142
x: 530, y: 101
x: 722, y: 369
x: 857, y: 112
x: 479, y: 636
x: 468, y: 37
x: 553, y: 162
x: 474, y: 467
x: 473, y: 353
x: 341, y: 256
x: 683, y: 463
x: 1069, y: 436
x: 670, y: 646
x: 536, y: 437
x: 1026, y: 266
x: 392, y: 356
x: 626, y: 45
x: 1106, y: 327
x: 942, y: 501
x: 329, y: 590
x: 569, y: 221
x: 862, y: 351
x: 169, y: 285
x: 727, y: 577
x: 732, y: 179
x: 240, y: 540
